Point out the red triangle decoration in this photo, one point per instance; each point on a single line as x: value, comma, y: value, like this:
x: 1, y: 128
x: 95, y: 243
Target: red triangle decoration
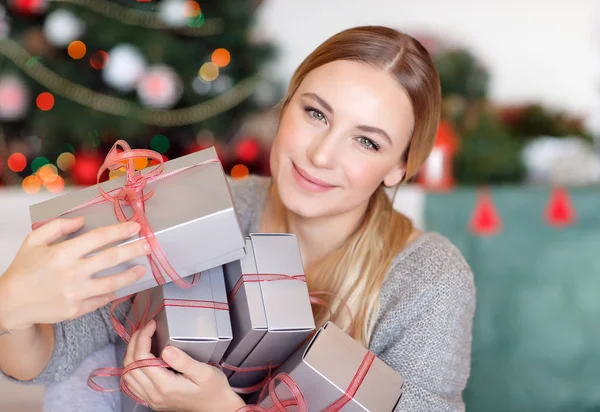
x: 485, y: 220
x: 559, y: 210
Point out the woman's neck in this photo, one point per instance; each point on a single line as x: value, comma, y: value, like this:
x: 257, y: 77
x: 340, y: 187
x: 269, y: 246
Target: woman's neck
x: 317, y: 237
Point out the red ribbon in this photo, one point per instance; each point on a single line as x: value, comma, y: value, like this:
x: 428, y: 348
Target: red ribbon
x: 357, y: 380
x: 132, y: 195
x: 278, y: 405
x: 298, y: 399
x: 252, y: 278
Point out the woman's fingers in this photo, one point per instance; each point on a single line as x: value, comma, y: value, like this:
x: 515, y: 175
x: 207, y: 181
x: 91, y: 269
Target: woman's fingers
x: 110, y: 284
x: 138, y: 375
x: 135, y: 387
x: 96, y: 302
x: 114, y: 256
x: 51, y: 231
x: 83, y: 245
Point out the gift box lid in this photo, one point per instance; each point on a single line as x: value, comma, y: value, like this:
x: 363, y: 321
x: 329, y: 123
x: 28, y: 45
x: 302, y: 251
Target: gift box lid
x: 207, y: 194
x: 278, y: 253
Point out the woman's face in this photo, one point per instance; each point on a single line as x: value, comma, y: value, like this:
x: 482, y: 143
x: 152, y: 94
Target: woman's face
x: 342, y: 135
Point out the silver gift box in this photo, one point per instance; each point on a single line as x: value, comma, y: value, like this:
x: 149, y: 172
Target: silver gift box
x: 269, y: 319
x: 324, y: 368
x: 202, y: 333
x: 191, y: 213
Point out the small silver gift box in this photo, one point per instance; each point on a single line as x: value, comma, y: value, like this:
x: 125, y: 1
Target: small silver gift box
x: 325, y: 367
x: 270, y: 319
x: 191, y: 213
x: 201, y: 332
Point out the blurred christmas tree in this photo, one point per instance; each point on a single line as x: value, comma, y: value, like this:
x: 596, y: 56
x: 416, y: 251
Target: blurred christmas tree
x: 170, y: 75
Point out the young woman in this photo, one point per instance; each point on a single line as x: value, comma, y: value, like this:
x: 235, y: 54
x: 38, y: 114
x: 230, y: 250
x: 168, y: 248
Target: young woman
x: 360, y: 115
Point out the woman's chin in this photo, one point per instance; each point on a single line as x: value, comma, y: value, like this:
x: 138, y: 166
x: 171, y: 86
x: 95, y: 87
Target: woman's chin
x: 298, y: 203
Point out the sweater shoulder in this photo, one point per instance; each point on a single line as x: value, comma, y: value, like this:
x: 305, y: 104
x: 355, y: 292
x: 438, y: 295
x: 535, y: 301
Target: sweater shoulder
x: 429, y: 266
x: 248, y: 196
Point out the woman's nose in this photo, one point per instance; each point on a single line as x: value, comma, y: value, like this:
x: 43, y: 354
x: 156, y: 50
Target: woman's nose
x: 322, y: 151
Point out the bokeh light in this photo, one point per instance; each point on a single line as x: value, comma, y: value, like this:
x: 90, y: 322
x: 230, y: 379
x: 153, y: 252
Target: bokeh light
x: 31, y: 184
x: 45, y: 101
x: 209, y: 71
x: 99, y: 59
x: 76, y: 49
x: 160, y: 143
x: 56, y: 186
x: 197, y: 21
x: 155, y: 162
x: 38, y: 162
x: 17, y: 162
x: 47, y: 173
x: 113, y: 174
x: 192, y: 9
x: 248, y: 150
x: 65, y: 161
x: 140, y: 163
x: 221, y: 57
x: 239, y: 172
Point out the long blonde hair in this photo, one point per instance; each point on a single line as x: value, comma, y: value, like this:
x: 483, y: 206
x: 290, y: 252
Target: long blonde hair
x: 356, y: 271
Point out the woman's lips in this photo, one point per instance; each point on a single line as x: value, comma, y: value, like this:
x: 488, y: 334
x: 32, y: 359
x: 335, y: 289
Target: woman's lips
x: 308, y: 182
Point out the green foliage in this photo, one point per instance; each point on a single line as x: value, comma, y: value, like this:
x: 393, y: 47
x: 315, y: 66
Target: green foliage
x: 461, y: 74
x: 488, y: 154
x: 536, y: 120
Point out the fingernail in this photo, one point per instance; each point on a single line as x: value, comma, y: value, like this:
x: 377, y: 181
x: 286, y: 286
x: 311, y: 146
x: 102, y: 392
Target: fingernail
x: 140, y: 270
x: 147, y: 246
x: 134, y: 227
x: 170, y: 353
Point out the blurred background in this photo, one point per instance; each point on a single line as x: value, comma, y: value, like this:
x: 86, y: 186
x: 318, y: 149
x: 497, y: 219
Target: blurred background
x: 512, y: 180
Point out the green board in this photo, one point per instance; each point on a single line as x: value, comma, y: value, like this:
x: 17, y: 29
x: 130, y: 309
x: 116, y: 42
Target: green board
x: 536, y: 333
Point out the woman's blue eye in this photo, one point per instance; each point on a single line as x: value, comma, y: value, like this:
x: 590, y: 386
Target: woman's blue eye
x: 315, y: 114
x: 368, y: 143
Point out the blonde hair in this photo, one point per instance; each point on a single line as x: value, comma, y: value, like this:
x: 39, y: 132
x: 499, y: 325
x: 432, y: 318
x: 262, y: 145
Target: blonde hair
x: 356, y: 271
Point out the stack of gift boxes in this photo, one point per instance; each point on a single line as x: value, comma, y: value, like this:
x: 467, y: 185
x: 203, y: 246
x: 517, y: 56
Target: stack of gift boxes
x: 249, y: 310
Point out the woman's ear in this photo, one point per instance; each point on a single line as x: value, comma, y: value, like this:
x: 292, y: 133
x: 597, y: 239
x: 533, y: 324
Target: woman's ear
x: 395, y: 175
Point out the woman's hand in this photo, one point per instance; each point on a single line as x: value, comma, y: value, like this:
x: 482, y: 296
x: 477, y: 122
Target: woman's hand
x: 49, y: 284
x: 199, y: 388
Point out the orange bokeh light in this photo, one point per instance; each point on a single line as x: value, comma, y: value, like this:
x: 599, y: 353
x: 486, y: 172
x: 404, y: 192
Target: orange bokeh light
x: 56, y: 186
x: 221, y: 57
x: 239, y: 172
x: 47, y: 173
x: 76, y: 49
x: 31, y: 184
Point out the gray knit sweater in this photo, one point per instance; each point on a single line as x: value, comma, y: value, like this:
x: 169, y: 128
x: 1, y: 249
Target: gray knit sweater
x: 423, y: 329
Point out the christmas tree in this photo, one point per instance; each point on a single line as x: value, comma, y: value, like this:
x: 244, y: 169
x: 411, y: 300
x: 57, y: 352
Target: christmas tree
x: 172, y: 75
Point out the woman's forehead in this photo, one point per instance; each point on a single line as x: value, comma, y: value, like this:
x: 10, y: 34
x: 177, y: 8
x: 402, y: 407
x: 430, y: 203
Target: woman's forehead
x: 361, y: 92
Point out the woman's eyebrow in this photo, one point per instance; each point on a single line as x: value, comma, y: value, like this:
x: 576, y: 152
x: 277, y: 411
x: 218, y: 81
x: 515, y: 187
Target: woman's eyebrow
x: 323, y: 103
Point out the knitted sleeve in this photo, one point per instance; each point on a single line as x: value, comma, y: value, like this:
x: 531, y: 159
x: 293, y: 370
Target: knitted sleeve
x: 75, y: 339
x: 424, y: 327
